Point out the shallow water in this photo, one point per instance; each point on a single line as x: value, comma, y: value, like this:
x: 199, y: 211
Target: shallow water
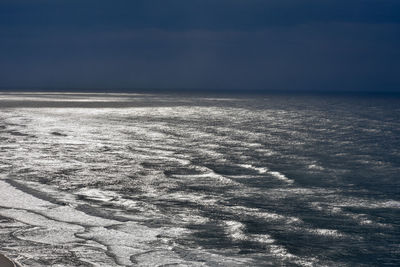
x: 142, y: 179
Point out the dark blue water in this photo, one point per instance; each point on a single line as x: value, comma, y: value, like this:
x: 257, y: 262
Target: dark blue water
x: 248, y: 180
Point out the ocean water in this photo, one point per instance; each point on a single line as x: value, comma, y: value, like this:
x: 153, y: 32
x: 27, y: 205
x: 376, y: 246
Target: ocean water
x: 199, y: 180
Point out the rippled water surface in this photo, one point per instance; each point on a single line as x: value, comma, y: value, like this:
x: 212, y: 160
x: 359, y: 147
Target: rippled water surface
x: 142, y: 179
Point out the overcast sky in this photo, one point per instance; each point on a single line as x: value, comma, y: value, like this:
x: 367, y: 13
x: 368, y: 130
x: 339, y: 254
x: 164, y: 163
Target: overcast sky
x: 201, y: 44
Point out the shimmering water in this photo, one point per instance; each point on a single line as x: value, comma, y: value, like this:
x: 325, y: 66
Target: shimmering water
x: 142, y: 179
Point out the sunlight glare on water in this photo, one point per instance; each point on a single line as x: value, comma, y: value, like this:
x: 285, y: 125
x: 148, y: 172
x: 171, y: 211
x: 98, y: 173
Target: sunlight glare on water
x: 122, y: 179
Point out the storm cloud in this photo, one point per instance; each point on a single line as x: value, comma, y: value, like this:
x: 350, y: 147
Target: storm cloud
x: 236, y: 45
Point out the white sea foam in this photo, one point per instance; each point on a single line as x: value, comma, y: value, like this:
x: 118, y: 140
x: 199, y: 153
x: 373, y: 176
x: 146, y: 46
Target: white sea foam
x: 111, y: 198
x: 315, y: 167
x: 360, y: 218
x: 262, y: 214
x: 235, y: 230
x: 260, y: 170
x: 53, y: 224
x: 327, y: 232
x: 205, y: 177
x: 263, y: 170
x: 194, y: 197
x: 266, y: 152
x: 281, y: 177
x: 264, y: 239
x: 96, y: 194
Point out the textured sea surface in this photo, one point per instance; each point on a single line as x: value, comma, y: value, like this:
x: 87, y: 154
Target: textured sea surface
x: 199, y: 180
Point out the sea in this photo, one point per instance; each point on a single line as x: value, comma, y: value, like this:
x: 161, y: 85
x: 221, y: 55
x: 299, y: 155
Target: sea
x: 180, y: 179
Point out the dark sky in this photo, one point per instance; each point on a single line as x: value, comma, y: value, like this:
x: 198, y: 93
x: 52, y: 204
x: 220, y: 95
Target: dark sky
x: 350, y: 45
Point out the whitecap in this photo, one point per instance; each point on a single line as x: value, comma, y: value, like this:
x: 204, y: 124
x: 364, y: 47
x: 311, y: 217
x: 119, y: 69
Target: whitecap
x: 260, y: 170
x: 235, y: 230
x: 327, y: 232
x: 281, y: 177
x: 315, y: 167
